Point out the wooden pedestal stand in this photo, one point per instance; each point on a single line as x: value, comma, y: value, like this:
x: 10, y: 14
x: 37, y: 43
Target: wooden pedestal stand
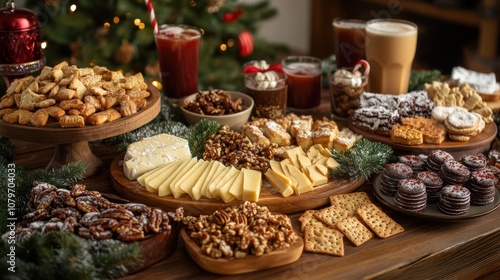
x: 72, y: 144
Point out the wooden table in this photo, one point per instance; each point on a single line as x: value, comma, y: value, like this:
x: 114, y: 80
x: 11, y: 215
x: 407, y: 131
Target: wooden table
x: 425, y: 250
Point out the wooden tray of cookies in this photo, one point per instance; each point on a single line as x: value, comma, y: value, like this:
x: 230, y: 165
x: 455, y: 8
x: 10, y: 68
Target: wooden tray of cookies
x: 478, y: 144
x: 269, y: 197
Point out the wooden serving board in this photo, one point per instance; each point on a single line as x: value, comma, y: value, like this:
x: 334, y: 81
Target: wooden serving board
x: 246, y: 264
x: 478, y: 144
x: 269, y: 197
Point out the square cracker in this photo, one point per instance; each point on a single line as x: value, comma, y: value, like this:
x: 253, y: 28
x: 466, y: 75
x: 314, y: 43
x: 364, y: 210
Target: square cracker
x: 308, y: 219
x: 378, y: 221
x: 331, y: 215
x: 354, y: 230
x: 350, y: 201
x: 324, y: 240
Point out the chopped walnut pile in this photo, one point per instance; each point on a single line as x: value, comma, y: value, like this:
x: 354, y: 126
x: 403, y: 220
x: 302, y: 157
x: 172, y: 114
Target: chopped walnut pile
x: 237, y: 231
x: 215, y: 102
x: 92, y: 216
x: 234, y: 149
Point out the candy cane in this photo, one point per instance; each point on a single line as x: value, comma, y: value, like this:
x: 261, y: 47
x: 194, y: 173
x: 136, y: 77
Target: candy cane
x: 360, y: 64
x: 152, y: 16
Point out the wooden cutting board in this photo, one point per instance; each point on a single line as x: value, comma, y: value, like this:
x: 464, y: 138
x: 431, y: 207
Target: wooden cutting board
x: 269, y: 197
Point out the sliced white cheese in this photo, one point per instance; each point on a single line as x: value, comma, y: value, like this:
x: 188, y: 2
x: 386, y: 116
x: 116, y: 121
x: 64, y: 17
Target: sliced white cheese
x: 304, y: 184
x: 315, y: 176
x: 252, y: 184
x: 292, y: 154
x: 210, y: 189
x: 278, y: 183
x: 153, y: 181
x: 188, y: 183
x: 223, y: 191
x: 304, y: 161
x: 215, y: 186
x: 214, y: 172
x: 196, y: 190
x: 284, y: 163
x: 141, y: 178
x: 155, y: 145
x: 236, y: 188
x: 174, y: 186
x: 276, y: 167
x: 164, y: 188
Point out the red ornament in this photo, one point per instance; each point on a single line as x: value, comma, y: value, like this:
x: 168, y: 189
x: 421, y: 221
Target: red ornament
x: 21, y: 51
x: 228, y: 17
x: 245, y: 41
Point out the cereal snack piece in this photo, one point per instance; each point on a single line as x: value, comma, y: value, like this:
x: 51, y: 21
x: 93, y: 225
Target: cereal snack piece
x: 12, y: 117
x: 55, y: 112
x: 29, y: 99
x: 331, y: 215
x: 324, y: 240
x: 6, y: 111
x: 350, y: 201
x: 378, y: 221
x: 24, y: 116
x: 354, y: 230
x: 72, y: 121
x: 40, y: 118
x: 7, y: 102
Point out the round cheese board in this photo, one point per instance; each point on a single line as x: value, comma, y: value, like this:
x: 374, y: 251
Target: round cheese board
x: 269, y: 197
x: 71, y: 144
x: 478, y: 144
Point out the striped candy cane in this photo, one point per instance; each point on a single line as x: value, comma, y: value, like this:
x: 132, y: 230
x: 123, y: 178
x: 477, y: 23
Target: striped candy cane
x: 152, y: 16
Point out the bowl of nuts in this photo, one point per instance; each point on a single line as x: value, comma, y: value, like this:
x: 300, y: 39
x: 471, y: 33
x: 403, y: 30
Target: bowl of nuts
x: 230, y: 108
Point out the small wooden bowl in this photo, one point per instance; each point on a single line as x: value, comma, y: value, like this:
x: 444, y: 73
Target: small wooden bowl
x: 246, y: 264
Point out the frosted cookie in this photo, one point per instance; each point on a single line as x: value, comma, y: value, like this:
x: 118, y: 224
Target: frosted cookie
x: 391, y: 175
x: 453, y: 172
x: 416, y: 162
x: 440, y: 113
x: 433, y: 184
x: 462, y: 123
x: 474, y: 162
x: 454, y: 200
x: 436, y: 158
x: 482, y: 187
x: 411, y: 195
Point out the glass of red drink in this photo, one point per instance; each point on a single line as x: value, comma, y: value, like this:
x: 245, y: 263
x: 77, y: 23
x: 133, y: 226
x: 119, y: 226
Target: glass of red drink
x: 304, y: 81
x: 178, y: 51
x: 349, y: 41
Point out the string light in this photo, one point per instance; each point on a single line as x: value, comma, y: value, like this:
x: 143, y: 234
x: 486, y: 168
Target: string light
x: 230, y: 42
x: 107, y: 25
x: 223, y: 47
x: 43, y: 45
x: 116, y: 20
x: 137, y: 21
x: 72, y: 8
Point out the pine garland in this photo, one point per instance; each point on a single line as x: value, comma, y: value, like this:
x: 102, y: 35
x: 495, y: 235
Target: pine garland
x: 62, y: 255
x: 363, y: 160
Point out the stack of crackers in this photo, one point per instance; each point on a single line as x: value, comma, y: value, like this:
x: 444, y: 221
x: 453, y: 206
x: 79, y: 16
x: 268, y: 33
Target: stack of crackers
x: 352, y: 215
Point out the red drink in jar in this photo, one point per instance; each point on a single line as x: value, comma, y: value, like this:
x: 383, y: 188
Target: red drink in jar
x: 178, y: 48
x: 304, y: 81
x: 349, y: 41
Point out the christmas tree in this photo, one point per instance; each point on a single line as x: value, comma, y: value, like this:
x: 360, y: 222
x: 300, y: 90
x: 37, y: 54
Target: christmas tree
x: 119, y: 35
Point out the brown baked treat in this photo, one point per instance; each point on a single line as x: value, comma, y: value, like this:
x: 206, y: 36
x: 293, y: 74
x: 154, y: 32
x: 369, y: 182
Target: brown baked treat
x: 377, y: 119
x: 433, y: 184
x: 474, y: 162
x: 416, y: 162
x: 406, y: 135
x: 453, y: 172
x: 482, y: 187
x: 391, y: 175
x: 411, y: 195
x: 454, y: 200
x: 436, y: 158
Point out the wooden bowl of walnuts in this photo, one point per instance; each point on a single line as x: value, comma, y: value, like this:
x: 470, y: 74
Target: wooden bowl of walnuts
x: 230, y: 108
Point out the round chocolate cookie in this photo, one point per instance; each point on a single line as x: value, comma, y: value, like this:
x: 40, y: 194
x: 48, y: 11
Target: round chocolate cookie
x: 454, y: 173
x: 411, y: 195
x: 391, y: 175
x: 454, y: 200
x: 416, y: 162
x: 433, y: 184
x: 436, y: 158
x: 474, y: 162
x: 482, y: 187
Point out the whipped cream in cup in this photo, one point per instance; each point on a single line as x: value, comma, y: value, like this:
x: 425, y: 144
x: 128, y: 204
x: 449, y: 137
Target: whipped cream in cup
x: 346, y: 86
x: 268, y: 88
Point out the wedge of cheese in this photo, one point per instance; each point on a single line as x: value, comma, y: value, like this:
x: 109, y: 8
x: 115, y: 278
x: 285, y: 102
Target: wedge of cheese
x: 154, y: 180
x: 164, y: 187
x: 315, y: 176
x: 278, y: 183
x: 252, y: 184
x: 196, y: 190
x: 191, y: 179
x: 236, y: 188
x: 160, y: 144
x: 304, y: 184
x: 276, y: 167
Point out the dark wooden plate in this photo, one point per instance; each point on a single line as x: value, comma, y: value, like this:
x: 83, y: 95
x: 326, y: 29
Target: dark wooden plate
x: 242, y: 265
x: 432, y: 212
